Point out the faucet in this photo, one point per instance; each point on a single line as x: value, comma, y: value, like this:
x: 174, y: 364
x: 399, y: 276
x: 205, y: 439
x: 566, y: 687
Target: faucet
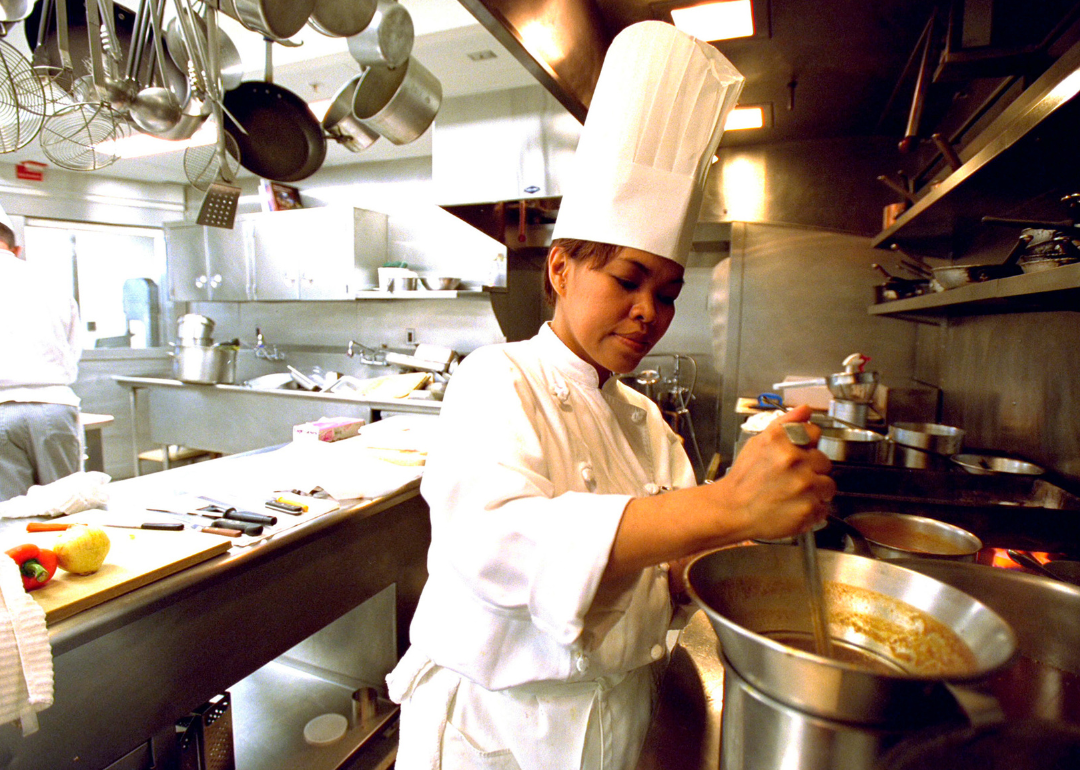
x: 263, y: 352
x: 368, y: 355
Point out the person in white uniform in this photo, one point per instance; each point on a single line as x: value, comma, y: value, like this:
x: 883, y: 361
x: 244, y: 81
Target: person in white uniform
x: 558, y: 495
x: 40, y: 434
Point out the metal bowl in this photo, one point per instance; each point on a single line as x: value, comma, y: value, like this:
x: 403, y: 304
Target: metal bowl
x: 900, y: 535
x: 441, y: 283
x: 985, y: 465
x: 920, y: 630
x: 939, y: 439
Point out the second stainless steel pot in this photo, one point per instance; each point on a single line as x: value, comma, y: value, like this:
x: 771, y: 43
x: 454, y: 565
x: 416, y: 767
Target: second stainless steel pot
x: 398, y: 103
x: 917, y: 631
x: 205, y: 364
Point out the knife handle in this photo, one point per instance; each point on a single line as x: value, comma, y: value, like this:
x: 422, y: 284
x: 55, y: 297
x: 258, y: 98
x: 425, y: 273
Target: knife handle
x: 252, y: 518
x: 47, y: 526
x: 243, y: 526
x: 167, y: 526
x: 220, y: 531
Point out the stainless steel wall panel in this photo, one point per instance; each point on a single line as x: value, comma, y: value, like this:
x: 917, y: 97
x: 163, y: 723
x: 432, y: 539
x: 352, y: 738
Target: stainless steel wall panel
x: 1011, y: 382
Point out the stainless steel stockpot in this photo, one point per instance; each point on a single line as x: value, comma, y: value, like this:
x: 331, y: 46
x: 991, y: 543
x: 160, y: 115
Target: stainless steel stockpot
x: 399, y: 103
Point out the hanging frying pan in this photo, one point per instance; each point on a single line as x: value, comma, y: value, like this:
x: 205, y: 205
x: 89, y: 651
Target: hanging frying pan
x: 284, y: 140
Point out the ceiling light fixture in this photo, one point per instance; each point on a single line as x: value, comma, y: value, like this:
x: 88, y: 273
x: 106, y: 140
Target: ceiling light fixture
x: 752, y: 116
x: 722, y: 20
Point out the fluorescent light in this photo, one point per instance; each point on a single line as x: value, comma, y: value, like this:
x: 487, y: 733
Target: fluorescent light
x: 722, y: 20
x: 140, y: 145
x: 745, y: 117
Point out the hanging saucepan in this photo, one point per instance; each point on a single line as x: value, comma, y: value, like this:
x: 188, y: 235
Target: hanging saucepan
x: 275, y: 19
x: 387, y: 40
x: 341, y: 124
x: 342, y: 18
x: 79, y: 45
x: 399, y: 103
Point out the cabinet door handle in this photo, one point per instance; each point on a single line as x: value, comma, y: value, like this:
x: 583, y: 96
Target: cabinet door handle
x: 200, y: 282
x: 216, y: 281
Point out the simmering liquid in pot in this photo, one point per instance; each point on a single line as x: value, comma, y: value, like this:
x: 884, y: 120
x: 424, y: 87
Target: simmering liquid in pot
x: 898, y: 533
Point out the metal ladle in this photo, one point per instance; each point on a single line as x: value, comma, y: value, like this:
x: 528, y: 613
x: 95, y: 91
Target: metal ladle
x: 798, y: 436
x: 156, y: 109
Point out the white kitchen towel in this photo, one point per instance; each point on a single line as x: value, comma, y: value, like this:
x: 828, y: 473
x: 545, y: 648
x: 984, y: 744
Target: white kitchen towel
x: 26, y: 666
x: 80, y: 491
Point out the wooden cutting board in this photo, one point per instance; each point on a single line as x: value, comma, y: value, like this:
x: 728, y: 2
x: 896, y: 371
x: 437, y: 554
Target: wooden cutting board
x: 136, y: 557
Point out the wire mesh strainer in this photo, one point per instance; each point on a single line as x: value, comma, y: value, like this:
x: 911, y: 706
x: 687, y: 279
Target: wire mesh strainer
x: 73, y: 137
x: 203, y: 163
x: 22, y: 100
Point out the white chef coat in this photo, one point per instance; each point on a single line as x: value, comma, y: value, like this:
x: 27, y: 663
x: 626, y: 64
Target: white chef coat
x: 39, y: 336
x: 514, y: 649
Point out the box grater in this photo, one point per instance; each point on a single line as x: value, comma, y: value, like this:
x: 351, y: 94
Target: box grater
x: 205, y: 736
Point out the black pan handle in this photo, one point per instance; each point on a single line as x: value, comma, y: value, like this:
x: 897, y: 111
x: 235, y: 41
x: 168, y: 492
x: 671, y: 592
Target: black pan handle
x: 1063, y: 224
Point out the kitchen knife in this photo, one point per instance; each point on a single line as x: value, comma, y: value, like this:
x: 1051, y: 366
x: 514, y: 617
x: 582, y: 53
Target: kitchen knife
x: 228, y: 512
x: 248, y: 528
x: 57, y: 526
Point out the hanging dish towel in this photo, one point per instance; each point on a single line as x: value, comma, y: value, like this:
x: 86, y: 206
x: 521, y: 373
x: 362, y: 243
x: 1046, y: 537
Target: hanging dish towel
x: 26, y: 666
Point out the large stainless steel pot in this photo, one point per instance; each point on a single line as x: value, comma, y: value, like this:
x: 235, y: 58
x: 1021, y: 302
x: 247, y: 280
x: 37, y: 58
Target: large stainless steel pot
x: 387, y: 40
x: 398, y: 103
x: 194, y: 329
x: 205, y: 364
x: 275, y: 19
x: 913, y: 630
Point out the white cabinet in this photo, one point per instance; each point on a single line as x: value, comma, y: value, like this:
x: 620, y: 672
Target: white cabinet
x: 326, y: 253
x: 207, y: 263
x: 508, y: 145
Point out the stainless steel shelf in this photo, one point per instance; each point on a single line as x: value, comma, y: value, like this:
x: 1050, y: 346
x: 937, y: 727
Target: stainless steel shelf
x: 1027, y: 152
x: 272, y: 706
x: 1059, y: 287
x: 420, y: 294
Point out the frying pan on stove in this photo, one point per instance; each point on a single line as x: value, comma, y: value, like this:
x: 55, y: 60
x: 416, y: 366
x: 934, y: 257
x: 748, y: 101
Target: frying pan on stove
x: 284, y: 140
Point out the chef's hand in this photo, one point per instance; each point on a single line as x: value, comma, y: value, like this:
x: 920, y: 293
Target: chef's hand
x: 776, y: 488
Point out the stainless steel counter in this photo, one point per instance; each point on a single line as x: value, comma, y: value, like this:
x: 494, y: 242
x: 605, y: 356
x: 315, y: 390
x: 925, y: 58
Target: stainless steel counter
x: 193, y: 415
x: 126, y: 670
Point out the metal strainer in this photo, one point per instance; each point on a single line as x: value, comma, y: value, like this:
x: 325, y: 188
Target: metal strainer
x: 72, y: 138
x: 202, y: 164
x: 22, y: 100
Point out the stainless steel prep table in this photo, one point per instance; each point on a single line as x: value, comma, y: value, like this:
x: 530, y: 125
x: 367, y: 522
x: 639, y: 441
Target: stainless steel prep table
x: 126, y: 670
x: 193, y: 415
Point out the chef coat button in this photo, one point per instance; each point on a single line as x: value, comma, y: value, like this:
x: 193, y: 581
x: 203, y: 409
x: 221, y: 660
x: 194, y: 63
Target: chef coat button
x: 637, y: 416
x: 582, y: 664
x: 657, y: 651
x: 587, y: 474
x: 652, y: 489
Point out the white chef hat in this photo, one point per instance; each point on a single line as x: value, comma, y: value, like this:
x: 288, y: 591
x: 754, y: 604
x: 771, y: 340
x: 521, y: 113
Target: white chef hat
x: 655, y: 121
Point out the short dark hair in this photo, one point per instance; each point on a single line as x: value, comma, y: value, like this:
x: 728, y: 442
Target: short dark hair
x: 595, y: 253
x: 7, y: 236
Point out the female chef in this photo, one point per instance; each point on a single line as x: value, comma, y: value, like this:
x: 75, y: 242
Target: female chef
x: 558, y: 494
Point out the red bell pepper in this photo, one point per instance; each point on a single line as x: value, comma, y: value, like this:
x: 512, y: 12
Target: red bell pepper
x: 36, y: 565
